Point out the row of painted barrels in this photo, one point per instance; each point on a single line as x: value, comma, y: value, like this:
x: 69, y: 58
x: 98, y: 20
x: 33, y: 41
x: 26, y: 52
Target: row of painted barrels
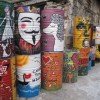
x: 27, y: 37
x: 7, y: 59
x: 77, y: 63
x: 28, y: 26
x: 27, y: 46
x: 84, y: 40
x: 29, y: 78
x: 51, y: 75
x: 52, y: 25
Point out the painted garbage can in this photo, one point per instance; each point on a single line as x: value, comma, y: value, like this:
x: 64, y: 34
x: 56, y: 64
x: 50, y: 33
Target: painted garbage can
x: 97, y: 36
x: 98, y: 52
x: 27, y: 30
x: 82, y: 31
x: 52, y: 64
x: 52, y: 24
x: 83, y: 62
x: 6, y: 29
x: 28, y: 75
x: 71, y: 64
x: 7, y: 79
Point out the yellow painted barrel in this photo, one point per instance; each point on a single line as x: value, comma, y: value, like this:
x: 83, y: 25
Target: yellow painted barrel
x: 81, y: 34
x: 98, y: 51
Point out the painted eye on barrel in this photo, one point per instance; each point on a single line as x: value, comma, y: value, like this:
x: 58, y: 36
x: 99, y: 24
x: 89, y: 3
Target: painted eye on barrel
x: 81, y: 26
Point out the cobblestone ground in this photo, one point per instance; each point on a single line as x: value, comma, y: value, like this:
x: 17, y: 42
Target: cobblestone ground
x: 87, y: 88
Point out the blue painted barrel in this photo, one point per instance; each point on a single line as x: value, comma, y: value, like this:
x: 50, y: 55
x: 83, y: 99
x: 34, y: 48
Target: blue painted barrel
x: 28, y: 75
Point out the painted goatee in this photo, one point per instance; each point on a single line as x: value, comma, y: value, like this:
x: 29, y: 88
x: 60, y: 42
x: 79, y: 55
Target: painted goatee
x: 34, y: 39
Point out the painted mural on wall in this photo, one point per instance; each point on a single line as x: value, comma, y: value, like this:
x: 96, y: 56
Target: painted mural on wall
x: 7, y: 79
x: 6, y: 30
x: 52, y: 26
x: 52, y: 64
x: 28, y: 75
x: 27, y: 37
x: 82, y: 31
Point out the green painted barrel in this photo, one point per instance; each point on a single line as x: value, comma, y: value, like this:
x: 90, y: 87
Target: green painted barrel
x: 70, y: 69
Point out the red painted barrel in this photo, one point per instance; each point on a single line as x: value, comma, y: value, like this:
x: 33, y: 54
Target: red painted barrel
x: 7, y: 79
x: 84, y: 60
x: 27, y: 31
x: 52, y: 63
x: 52, y: 24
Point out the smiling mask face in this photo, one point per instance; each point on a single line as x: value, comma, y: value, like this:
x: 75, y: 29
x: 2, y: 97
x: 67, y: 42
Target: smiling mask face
x: 29, y: 26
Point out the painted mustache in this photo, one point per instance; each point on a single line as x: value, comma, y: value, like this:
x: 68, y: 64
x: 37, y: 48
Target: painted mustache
x: 31, y: 32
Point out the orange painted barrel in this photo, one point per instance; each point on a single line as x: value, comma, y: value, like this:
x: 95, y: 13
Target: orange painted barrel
x: 52, y: 64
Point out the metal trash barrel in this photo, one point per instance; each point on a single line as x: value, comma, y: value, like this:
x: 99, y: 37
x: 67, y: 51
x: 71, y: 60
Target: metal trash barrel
x: 52, y: 63
x: 27, y: 31
x: 6, y: 30
x: 83, y: 62
x: 28, y: 75
x: 97, y: 36
x: 71, y: 65
x: 7, y: 79
x: 82, y: 30
x: 52, y: 24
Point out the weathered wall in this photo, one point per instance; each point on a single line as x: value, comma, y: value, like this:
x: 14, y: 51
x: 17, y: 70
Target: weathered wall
x: 87, y: 8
